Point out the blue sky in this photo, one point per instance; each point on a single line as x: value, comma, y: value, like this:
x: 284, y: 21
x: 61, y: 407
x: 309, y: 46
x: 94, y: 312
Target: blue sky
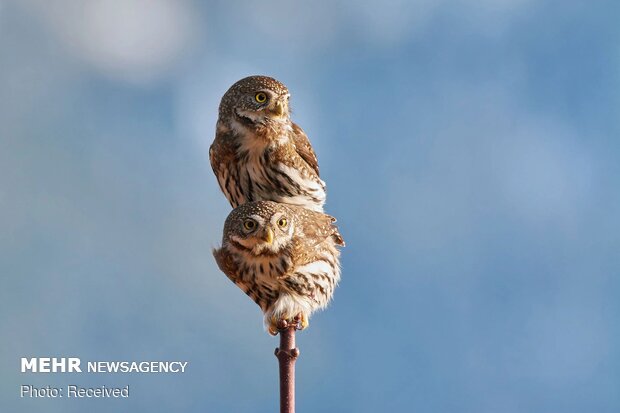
x: 471, y: 155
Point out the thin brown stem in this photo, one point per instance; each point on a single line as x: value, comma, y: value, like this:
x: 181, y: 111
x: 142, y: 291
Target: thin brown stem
x: 287, y: 354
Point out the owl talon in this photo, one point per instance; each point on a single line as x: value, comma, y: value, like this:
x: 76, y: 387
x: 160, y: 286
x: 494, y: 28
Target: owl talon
x: 275, y: 326
x: 300, y: 322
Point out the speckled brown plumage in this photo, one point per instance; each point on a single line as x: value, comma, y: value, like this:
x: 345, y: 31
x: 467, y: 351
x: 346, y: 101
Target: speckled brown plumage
x: 258, y: 153
x: 291, y: 272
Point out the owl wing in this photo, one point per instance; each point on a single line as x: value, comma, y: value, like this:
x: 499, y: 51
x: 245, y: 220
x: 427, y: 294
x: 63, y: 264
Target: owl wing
x: 221, y: 151
x: 227, y: 264
x: 318, y: 226
x: 222, y: 154
x: 304, y: 148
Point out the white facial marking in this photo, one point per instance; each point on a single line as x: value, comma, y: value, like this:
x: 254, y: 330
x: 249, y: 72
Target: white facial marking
x: 255, y: 116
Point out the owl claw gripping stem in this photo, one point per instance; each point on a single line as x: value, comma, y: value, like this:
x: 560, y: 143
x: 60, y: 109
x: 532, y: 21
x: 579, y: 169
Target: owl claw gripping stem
x: 300, y: 322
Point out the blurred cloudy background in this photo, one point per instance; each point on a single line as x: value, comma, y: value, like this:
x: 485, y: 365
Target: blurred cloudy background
x: 471, y: 150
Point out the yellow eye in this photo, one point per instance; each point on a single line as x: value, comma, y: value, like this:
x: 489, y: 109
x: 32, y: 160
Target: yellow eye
x: 282, y: 222
x: 261, y: 97
x: 249, y: 224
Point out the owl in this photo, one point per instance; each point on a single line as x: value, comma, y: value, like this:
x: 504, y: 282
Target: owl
x: 258, y: 153
x: 284, y: 257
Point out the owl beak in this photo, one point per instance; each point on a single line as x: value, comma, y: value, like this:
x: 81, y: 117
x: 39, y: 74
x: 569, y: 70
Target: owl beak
x: 278, y: 109
x: 268, y: 236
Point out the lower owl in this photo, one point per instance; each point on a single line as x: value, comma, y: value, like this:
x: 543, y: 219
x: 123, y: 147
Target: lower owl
x: 284, y: 257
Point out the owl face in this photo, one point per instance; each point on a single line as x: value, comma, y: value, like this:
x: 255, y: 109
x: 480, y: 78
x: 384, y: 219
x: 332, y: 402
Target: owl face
x: 257, y: 100
x: 263, y: 228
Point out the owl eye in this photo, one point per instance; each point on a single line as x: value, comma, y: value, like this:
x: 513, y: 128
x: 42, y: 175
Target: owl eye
x: 261, y: 97
x: 249, y: 224
x: 282, y: 222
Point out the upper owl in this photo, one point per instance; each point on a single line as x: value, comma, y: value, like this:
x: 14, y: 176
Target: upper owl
x: 258, y: 153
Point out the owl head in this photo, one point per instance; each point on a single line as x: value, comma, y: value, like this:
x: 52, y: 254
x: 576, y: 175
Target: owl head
x: 262, y: 227
x: 256, y: 100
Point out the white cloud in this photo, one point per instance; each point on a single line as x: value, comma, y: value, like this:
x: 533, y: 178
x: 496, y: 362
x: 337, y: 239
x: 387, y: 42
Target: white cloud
x: 137, y: 41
